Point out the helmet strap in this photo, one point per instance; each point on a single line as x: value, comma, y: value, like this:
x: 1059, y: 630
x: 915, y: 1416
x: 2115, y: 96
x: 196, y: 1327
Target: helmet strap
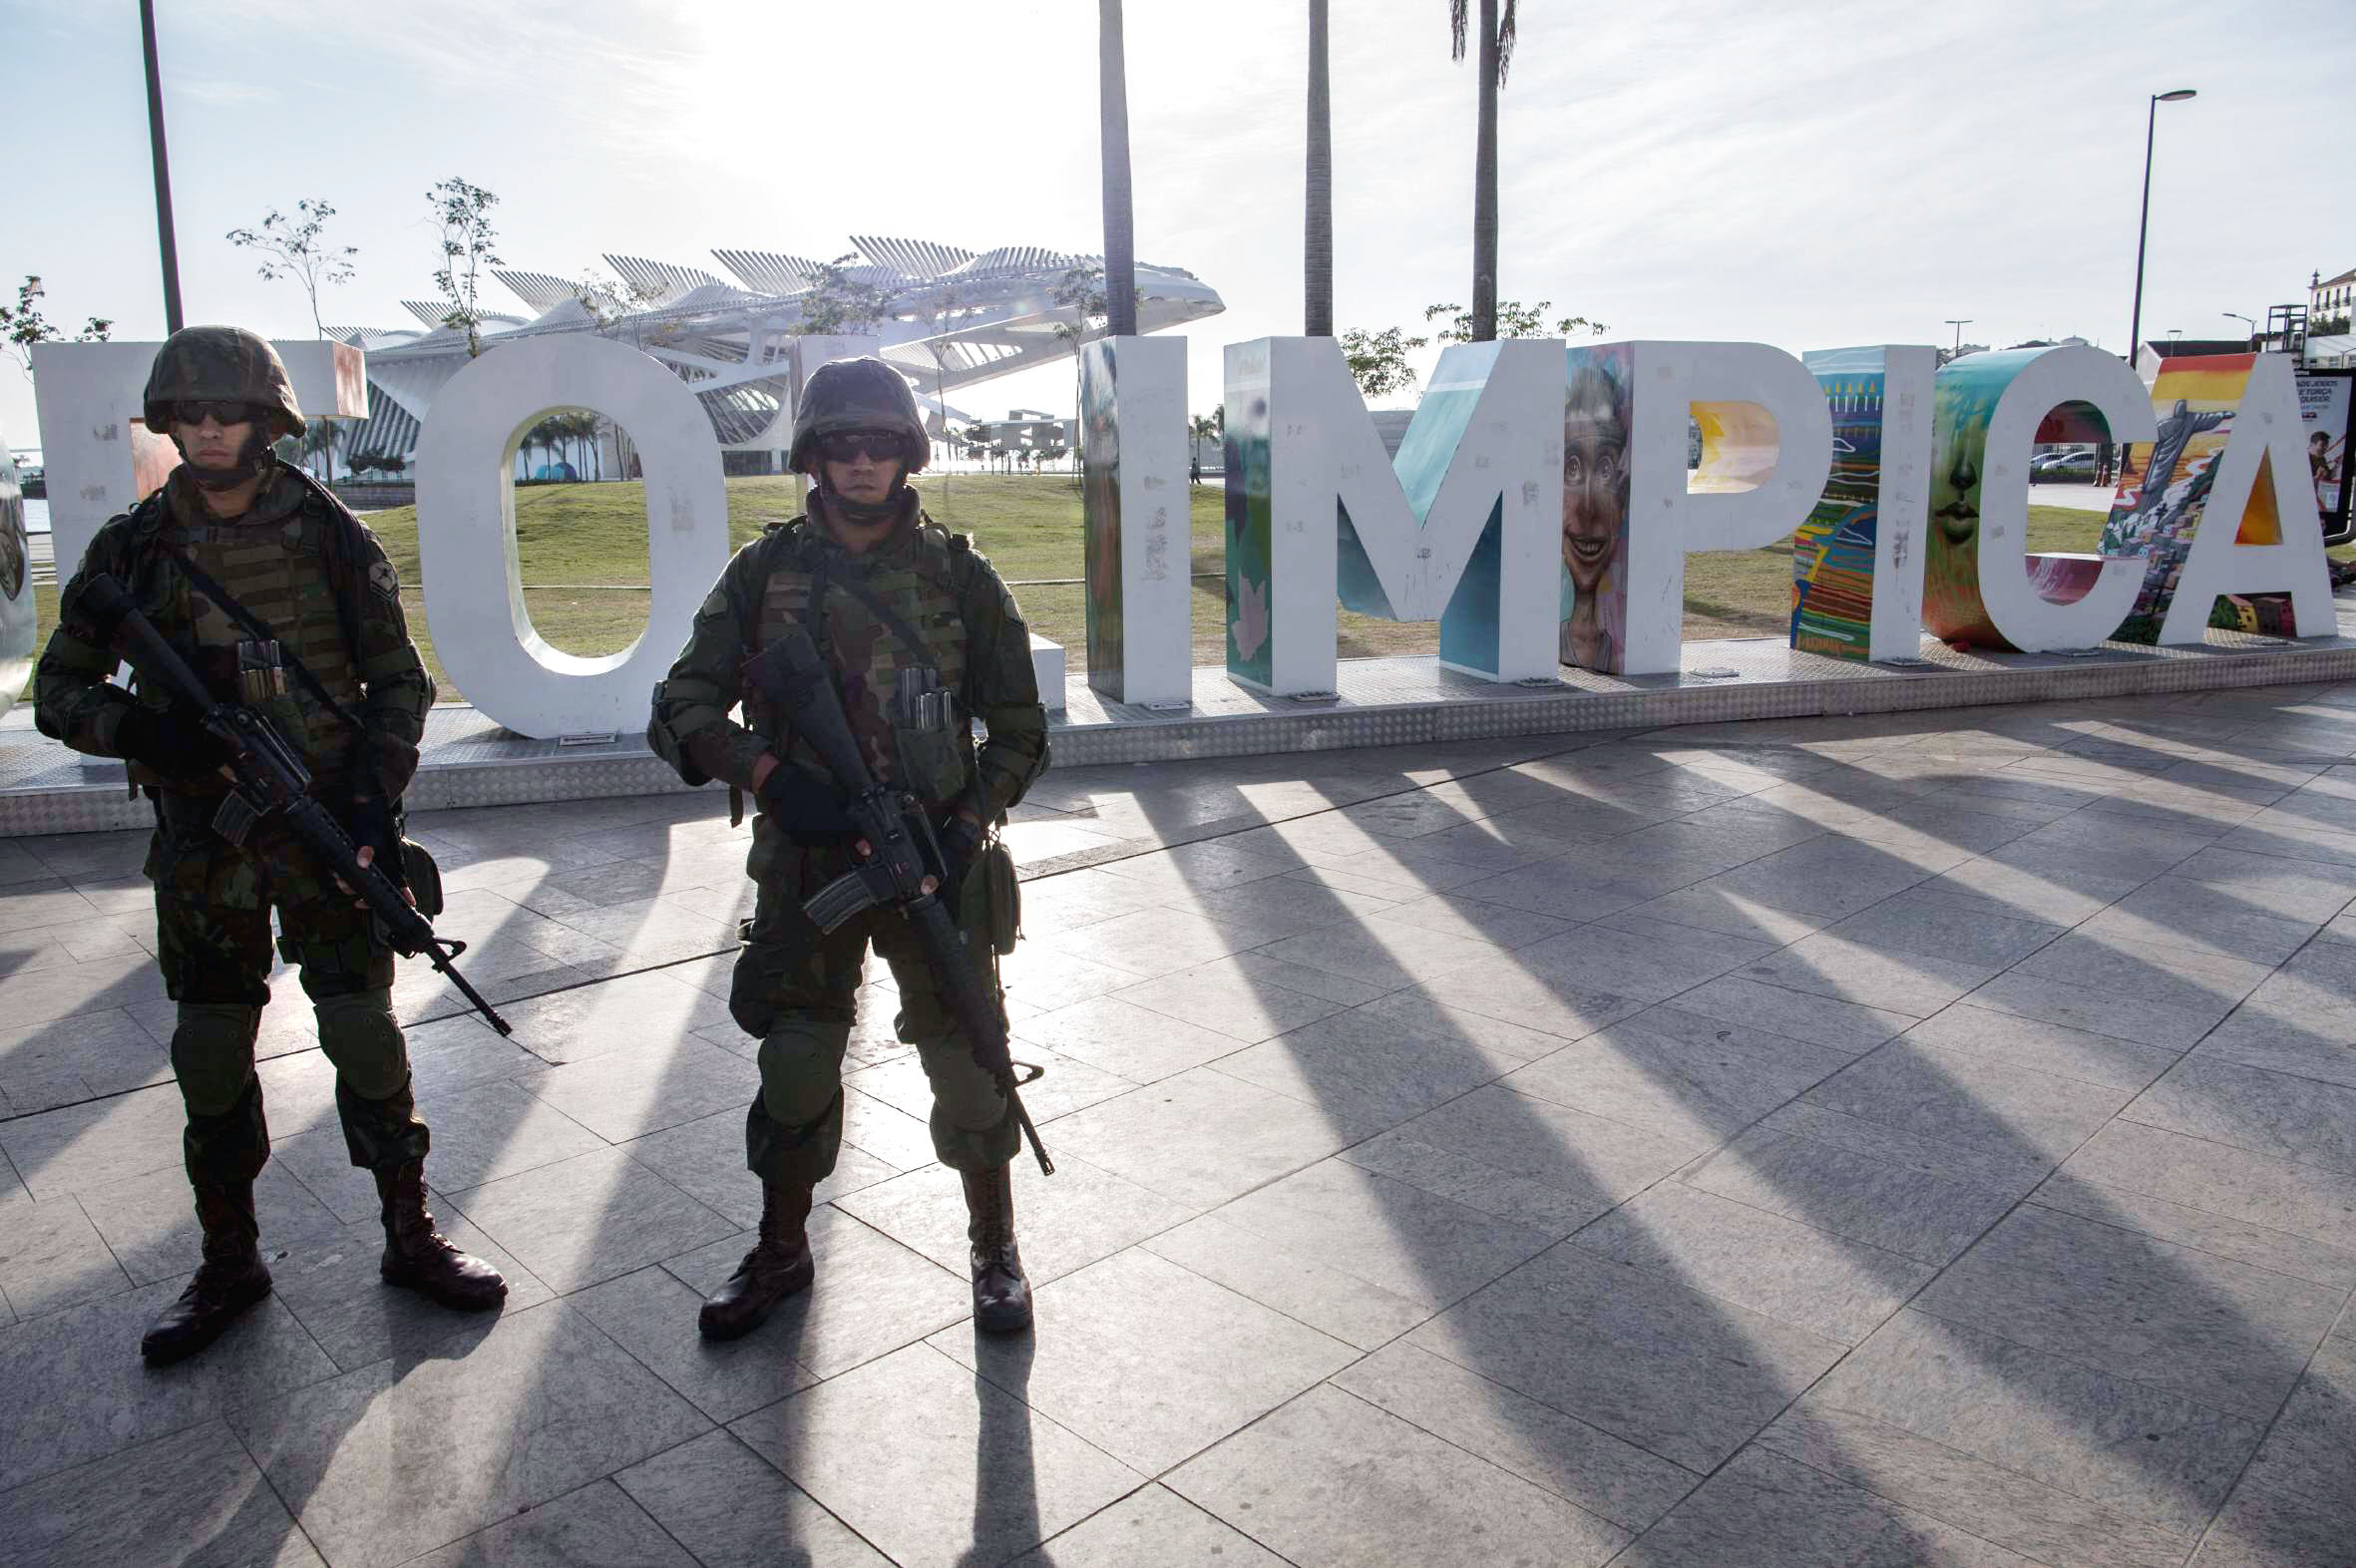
x: 867, y: 513
x: 253, y: 460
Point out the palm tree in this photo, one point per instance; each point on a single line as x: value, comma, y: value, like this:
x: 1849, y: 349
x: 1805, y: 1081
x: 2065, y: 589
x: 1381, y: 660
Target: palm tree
x: 1496, y: 53
x: 1120, y: 230
x: 1318, y: 316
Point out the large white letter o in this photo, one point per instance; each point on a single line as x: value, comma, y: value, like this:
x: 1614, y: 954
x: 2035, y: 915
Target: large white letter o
x: 465, y: 512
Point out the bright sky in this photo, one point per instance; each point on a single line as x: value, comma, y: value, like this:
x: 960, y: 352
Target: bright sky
x: 1807, y: 175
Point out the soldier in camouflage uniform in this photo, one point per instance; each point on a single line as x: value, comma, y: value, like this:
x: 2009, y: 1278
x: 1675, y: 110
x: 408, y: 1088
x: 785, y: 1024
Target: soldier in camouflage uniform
x: 882, y: 589
x: 299, y: 562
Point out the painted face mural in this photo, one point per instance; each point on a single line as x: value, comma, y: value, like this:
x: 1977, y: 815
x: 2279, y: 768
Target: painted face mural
x: 1100, y: 454
x: 1964, y: 395
x: 1595, y: 513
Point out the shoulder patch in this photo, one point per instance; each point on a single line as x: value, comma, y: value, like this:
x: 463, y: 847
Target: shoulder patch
x: 384, y: 580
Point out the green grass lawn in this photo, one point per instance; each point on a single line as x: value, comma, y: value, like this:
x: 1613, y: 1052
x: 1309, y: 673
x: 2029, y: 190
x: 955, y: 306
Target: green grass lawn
x: 582, y: 550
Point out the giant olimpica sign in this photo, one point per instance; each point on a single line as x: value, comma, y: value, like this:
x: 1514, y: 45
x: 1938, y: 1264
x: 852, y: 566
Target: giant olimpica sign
x: 1540, y: 508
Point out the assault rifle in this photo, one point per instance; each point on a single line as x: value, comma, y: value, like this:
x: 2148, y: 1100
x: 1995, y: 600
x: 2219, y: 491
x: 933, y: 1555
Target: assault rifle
x: 903, y: 853
x: 271, y: 781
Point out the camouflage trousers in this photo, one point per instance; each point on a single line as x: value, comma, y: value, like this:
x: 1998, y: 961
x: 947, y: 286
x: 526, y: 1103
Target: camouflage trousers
x: 213, y: 904
x: 794, y: 989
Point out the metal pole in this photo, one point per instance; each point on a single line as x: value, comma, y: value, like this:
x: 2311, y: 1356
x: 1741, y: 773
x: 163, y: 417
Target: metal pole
x: 170, y: 251
x: 1121, y: 252
x: 2134, y: 340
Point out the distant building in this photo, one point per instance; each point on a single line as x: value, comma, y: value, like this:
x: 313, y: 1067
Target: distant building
x: 2330, y: 303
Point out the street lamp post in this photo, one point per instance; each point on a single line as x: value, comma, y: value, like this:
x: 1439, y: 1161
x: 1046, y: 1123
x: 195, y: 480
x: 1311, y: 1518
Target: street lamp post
x: 2247, y: 321
x: 170, y: 251
x: 2135, y: 330
x: 1958, y: 324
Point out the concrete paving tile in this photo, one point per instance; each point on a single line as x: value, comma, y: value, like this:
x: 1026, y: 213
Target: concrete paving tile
x: 485, y: 1133
x: 2014, y: 1112
x: 595, y: 1528
x: 333, y: 1285
x: 190, y: 1497
x: 1546, y: 1166
x: 621, y: 1014
x: 2001, y: 1168
x: 1152, y: 1527
x: 1386, y: 955
x: 589, y: 1217
x: 2276, y: 1251
x: 1390, y: 872
x: 898, y: 1139
x: 1684, y: 1375
x: 59, y: 1372
x: 1871, y: 1198
x: 1833, y: 1286
x: 1647, y: 966
x: 1139, y: 1044
x: 1247, y: 1004
x: 2047, y: 1048
x: 2263, y: 1529
x: 705, y: 1160
x: 1456, y: 915
x: 1332, y: 1480
x: 2185, y: 978
x: 78, y: 1058
x: 78, y: 1147
x: 2219, y: 1179
x: 1600, y: 1474
x: 1068, y: 1084
x: 626, y: 1094
x: 52, y: 1255
x: 2153, y: 1456
x: 1253, y: 913
x: 1927, y: 925
x: 1201, y: 1137
x: 34, y: 903
x: 1714, y: 906
x: 1992, y: 1503
x: 2122, y: 1015
x: 2296, y: 889
x: 1766, y: 1507
x: 1152, y: 942
x: 1260, y: 969
x: 1290, y: 1280
x: 1827, y: 965
x: 1409, y: 1242
x: 100, y: 985
x: 872, y: 1294
x: 731, y: 1510
x: 1067, y: 1221
x: 2265, y: 834
x: 150, y: 1222
x: 652, y: 1315
x: 2175, y: 912
x: 1205, y: 865
x: 2251, y: 1108
x: 1367, y: 1074
x: 2310, y: 1452
x: 542, y: 1402
x: 2219, y: 1331
x: 1416, y: 1017
x: 1504, y: 989
x: 1597, y: 889
x: 1799, y: 1016
x: 1148, y: 1362
x: 1040, y: 977
x: 2251, y: 1039
x: 1679, y: 1075
x: 933, y: 1463
x: 2058, y: 886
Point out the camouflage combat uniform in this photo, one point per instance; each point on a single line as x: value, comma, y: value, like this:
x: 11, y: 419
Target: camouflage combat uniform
x: 289, y: 559
x: 794, y: 986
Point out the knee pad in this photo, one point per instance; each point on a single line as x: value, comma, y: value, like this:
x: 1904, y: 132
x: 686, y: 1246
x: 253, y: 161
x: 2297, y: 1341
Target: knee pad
x: 213, y: 1053
x: 359, y: 1035
x: 801, y: 1069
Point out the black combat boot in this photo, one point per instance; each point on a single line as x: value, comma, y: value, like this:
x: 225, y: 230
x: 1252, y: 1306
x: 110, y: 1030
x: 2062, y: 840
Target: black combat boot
x: 230, y: 1279
x: 778, y: 1266
x: 1001, y: 1296
x: 418, y: 1258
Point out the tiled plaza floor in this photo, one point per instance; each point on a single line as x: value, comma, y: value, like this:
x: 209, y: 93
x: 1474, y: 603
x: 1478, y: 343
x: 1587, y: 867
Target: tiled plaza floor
x: 1917, y: 1139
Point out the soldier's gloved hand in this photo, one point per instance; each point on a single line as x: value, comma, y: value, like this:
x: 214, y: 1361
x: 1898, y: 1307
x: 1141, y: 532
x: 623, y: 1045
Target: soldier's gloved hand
x: 369, y: 822
x: 805, y: 809
x: 175, y: 746
x: 960, y: 840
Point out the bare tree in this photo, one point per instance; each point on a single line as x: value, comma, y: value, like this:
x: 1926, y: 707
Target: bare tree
x: 23, y: 327
x: 296, y: 248
x: 462, y: 214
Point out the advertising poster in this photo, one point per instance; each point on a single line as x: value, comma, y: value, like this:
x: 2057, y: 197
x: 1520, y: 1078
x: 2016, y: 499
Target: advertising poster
x: 2325, y: 410
x: 1595, y: 437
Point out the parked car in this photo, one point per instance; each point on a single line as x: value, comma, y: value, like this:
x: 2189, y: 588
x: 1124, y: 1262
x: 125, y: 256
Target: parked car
x: 2067, y: 468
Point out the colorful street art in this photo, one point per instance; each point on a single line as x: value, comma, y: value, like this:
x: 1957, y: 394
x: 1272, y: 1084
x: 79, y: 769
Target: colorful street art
x: 2164, y: 488
x: 1101, y: 510
x: 1595, y: 479
x: 1832, y: 554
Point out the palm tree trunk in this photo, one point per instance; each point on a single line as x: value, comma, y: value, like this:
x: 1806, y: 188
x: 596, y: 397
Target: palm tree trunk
x: 1318, y: 316
x: 1121, y: 233
x: 1484, y: 185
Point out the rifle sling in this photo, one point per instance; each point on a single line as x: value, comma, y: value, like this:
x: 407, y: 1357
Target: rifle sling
x: 260, y: 630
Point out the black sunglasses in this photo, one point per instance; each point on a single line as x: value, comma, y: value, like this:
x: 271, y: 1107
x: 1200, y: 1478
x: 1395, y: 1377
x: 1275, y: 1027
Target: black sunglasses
x: 221, y: 410
x: 877, y: 446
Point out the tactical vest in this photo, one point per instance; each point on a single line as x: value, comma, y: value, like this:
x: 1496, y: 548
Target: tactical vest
x: 278, y: 571
x: 917, y: 582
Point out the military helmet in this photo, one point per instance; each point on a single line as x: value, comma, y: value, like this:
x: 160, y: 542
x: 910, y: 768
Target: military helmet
x: 222, y: 363
x: 855, y: 394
